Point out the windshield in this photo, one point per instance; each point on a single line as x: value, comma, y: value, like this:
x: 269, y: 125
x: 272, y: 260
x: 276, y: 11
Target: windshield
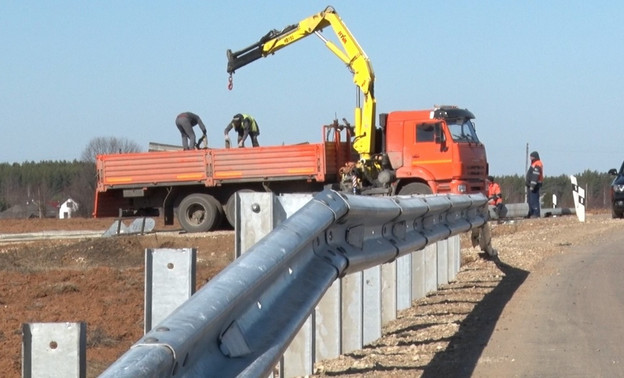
x: 462, y: 130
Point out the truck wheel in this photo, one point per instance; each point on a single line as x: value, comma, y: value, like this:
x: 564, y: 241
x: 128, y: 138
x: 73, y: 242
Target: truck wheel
x: 220, y: 210
x: 415, y: 188
x: 230, y: 210
x: 198, y: 213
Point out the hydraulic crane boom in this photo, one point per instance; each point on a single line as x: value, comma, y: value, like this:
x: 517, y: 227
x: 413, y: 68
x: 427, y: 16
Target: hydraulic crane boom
x: 351, y: 54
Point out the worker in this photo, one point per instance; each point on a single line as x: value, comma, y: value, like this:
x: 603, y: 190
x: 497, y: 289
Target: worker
x: 534, y: 179
x: 185, y: 122
x: 245, y: 125
x: 494, y: 195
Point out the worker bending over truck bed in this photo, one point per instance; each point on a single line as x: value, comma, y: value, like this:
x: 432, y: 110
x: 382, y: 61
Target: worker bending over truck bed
x: 185, y: 122
x: 245, y: 125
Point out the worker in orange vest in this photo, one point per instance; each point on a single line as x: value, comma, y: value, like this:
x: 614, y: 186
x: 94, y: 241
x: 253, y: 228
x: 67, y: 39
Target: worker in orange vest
x: 494, y: 195
x: 534, y: 179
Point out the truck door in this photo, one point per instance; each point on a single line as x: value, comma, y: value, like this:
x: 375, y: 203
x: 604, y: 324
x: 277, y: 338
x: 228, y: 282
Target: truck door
x: 426, y: 148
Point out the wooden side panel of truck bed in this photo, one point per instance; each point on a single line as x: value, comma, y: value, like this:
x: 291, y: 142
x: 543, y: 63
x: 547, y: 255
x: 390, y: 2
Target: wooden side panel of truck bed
x: 212, y: 167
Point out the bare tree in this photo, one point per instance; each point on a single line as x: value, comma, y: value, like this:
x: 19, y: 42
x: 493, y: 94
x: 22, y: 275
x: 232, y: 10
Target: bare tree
x: 108, y: 145
x: 83, y: 188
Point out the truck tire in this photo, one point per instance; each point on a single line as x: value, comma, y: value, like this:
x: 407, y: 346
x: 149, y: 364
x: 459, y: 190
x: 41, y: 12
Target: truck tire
x: 198, y: 213
x: 220, y: 210
x: 415, y: 188
x: 230, y: 210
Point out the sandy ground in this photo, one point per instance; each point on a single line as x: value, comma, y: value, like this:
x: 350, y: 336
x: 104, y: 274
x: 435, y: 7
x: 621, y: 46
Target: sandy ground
x: 101, y: 281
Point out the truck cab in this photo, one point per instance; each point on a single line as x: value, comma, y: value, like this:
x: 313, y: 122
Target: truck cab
x: 435, y: 151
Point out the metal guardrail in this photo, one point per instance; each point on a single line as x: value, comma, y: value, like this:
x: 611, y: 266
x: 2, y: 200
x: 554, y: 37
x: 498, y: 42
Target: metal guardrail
x: 241, y: 322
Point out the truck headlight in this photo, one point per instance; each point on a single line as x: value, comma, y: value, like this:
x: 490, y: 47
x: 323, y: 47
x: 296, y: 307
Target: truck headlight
x: 461, y: 188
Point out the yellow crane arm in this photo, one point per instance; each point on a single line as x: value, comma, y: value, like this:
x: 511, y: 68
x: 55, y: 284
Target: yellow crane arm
x: 351, y: 54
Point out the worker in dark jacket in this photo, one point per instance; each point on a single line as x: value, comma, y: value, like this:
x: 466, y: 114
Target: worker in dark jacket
x: 245, y: 125
x: 185, y: 122
x: 534, y: 179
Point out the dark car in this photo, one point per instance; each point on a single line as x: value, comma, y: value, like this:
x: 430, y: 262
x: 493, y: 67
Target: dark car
x: 617, y: 192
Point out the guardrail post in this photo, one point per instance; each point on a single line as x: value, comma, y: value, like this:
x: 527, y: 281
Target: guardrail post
x: 254, y: 219
x: 442, y: 247
x: 300, y: 352
x: 454, y: 257
x: 256, y: 215
x: 351, y: 306
x: 406, y: 274
x: 169, y: 282
x: 371, y: 304
x: 420, y: 274
x: 329, y: 323
x: 54, y: 349
x: 430, y: 256
x: 389, y: 287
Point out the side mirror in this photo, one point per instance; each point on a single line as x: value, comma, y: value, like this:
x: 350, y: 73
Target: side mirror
x: 613, y: 172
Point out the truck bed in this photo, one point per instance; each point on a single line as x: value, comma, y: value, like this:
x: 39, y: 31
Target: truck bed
x: 214, y: 167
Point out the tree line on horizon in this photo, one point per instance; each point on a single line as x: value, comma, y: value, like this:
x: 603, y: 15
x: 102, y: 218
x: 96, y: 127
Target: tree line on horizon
x: 48, y: 182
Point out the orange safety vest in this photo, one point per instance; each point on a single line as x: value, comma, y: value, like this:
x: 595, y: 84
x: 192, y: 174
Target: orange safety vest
x: 494, y: 189
x: 538, y: 163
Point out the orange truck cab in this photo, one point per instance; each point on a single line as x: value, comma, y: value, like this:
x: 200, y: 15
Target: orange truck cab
x: 435, y: 151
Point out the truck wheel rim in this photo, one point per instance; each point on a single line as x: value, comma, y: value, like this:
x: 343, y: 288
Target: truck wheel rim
x: 196, y: 214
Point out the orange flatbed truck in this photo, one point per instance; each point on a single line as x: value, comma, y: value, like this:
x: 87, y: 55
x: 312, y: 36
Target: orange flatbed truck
x: 411, y: 152
x: 430, y: 151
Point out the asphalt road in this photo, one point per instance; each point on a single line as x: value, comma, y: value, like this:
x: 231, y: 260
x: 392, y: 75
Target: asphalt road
x: 566, y: 320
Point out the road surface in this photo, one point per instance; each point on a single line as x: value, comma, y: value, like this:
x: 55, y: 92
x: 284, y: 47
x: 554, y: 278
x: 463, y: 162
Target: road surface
x: 566, y: 320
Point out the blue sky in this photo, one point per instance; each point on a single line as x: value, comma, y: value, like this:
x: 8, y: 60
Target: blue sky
x: 549, y: 73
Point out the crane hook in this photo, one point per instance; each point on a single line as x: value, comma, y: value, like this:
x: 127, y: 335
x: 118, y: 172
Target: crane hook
x: 230, y: 82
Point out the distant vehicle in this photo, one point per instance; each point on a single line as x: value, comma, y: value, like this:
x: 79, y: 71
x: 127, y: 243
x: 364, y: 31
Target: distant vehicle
x: 617, y: 192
